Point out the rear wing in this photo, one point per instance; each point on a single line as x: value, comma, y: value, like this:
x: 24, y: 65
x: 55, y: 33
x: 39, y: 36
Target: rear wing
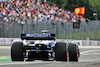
x: 38, y: 36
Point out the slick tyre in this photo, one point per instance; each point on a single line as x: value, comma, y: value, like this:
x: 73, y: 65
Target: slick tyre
x: 60, y: 51
x: 17, y: 51
x: 72, y: 50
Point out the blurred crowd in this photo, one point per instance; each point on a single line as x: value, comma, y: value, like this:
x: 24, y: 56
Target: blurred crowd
x: 32, y: 11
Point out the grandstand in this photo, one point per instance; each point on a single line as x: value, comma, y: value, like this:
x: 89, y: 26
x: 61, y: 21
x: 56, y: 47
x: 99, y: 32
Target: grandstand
x: 34, y: 10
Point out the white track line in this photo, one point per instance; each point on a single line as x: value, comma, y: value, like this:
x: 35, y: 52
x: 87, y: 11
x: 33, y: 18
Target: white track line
x: 89, y: 46
x: 85, y: 52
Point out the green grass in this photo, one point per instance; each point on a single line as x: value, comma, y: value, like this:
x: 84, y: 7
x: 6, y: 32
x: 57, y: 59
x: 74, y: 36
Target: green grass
x: 81, y: 36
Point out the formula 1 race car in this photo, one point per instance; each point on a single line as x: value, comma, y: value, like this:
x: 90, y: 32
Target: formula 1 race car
x: 42, y: 46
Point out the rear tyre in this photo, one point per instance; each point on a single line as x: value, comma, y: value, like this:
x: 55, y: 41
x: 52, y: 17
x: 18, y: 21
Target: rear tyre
x: 72, y: 49
x: 60, y: 51
x: 17, y: 51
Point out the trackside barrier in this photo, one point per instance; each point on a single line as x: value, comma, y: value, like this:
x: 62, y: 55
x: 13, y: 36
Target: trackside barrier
x: 8, y: 41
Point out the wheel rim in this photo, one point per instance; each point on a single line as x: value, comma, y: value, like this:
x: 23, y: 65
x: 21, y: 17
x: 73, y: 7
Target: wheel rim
x: 67, y: 51
x: 76, y: 53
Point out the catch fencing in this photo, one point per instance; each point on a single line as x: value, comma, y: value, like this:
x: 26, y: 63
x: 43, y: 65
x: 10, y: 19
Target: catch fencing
x: 63, y: 30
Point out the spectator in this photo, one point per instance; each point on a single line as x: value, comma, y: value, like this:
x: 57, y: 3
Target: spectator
x: 34, y: 10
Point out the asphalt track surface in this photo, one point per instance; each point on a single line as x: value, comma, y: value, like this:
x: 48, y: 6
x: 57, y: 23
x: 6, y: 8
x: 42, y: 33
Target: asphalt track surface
x: 90, y: 57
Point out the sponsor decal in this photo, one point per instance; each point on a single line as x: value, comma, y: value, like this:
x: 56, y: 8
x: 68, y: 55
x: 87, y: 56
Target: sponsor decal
x: 38, y: 35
